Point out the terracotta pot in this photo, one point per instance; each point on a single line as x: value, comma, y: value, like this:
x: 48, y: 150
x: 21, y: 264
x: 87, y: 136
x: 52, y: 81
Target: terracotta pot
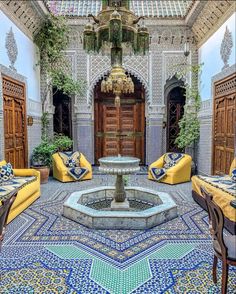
x: 44, y: 173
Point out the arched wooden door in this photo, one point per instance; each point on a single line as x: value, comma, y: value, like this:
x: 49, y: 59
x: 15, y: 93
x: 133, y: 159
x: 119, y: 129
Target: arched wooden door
x: 120, y: 130
x: 175, y: 111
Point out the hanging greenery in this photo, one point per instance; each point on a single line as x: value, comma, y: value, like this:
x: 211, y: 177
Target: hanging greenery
x: 44, y: 126
x: 63, y: 82
x: 189, y: 124
x: 52, y: 40
x: 189, y: 130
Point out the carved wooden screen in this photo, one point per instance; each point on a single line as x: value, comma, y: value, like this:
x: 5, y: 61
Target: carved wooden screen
x: 224, y: 124
x: 62, y: 118
x: 15, y: 129
x: 175, y: 111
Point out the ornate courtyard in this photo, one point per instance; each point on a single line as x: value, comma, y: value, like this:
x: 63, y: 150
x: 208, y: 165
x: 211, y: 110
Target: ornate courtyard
x: 117, y: 146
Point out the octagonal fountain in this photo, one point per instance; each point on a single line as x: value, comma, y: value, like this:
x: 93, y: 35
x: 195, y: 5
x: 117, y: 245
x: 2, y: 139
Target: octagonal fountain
x: 110, y: 207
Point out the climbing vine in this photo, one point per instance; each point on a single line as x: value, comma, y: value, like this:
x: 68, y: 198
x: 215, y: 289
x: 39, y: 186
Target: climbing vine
x: 52, y: 39
x: 189, y: 124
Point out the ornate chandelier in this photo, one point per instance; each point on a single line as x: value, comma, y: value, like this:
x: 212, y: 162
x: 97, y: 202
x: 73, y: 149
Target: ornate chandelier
x: 117, y: 83
x: 114, y: 30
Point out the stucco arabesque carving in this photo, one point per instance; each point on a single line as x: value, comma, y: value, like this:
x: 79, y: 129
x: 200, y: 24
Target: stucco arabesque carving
x: 226, y: 47
x: 12, y: 50
x: 100, y: 75
x: 28, y: 15
x: 173, y: 63
x: 99, y: 66
x: 210, y: 19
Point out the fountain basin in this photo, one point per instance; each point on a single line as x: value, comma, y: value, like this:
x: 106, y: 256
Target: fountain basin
x: 119, y: 165
x: 158, y: 207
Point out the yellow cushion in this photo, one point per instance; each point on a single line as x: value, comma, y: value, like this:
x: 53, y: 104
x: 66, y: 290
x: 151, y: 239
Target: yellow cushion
x: 179, y: 173
x: 3, y: 162
x: 221, y: 198
x: 60, y: 170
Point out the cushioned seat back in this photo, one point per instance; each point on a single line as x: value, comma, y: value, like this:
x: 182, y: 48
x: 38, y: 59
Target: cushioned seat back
x: 233, y: 166
x: 3, y: 162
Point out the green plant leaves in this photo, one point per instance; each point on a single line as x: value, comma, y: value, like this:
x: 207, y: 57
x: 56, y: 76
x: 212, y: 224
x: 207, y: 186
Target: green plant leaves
x: 52, y: 40
x: 62, y: 143
x: 42, y: 154
x: 189, y: 124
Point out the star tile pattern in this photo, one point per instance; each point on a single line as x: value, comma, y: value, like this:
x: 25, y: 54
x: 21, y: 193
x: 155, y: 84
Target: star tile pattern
x: 43, y: 252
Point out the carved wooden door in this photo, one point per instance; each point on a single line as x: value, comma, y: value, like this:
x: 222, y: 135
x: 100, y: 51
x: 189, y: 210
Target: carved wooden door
x: 119, y: 130
x: 224, y: 124
x: 109, y: 131
x: 175, y: 111
x: 15, y: 129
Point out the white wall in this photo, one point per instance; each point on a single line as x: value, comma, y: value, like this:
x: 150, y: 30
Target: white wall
x: 209, y: 54
x: 26, y: 59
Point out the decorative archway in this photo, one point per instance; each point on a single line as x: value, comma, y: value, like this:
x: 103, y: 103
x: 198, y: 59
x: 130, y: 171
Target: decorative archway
x: 175, y: 100
x: 130, y: 70
x: 120, y: 130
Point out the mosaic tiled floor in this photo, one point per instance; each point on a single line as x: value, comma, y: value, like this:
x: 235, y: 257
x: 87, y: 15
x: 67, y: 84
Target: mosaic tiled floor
x: 45, y: 253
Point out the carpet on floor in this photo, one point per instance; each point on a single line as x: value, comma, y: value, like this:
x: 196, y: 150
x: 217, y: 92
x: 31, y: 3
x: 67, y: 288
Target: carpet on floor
x: 43, y: 252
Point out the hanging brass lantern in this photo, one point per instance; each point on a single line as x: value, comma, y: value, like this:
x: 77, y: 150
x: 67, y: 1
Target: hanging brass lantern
x: 89, y: 40
x: 116, y: 32
x: 115, y: 29
x: 142, y: 40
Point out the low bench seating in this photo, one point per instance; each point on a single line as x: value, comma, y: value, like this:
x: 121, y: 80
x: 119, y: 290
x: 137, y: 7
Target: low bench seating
x: 223, y: 190
x: 28, y: 183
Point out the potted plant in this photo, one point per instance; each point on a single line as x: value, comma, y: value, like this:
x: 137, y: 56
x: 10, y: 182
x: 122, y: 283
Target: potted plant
x: 42, y: 159
x: 62, y: 143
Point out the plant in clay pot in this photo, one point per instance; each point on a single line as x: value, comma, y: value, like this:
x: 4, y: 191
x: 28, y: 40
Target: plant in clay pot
x: 42, y: 159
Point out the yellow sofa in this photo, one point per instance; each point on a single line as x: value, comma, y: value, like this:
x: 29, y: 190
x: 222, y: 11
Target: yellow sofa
x: 27, y: 194
x: 179, y: 173
x: 220, y: 197
x: 60, y: 170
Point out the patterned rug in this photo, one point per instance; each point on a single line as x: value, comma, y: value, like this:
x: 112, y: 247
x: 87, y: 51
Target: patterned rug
x: 43, y: 252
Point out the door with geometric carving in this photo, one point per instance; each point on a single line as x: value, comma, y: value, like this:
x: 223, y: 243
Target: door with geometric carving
x: 120, y: 130
x: 15, y: 129
x: 175, y: 111
x: 224, y: 124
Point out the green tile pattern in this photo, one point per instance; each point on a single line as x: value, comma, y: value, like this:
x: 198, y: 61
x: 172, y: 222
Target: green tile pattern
x: 112, y: 278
